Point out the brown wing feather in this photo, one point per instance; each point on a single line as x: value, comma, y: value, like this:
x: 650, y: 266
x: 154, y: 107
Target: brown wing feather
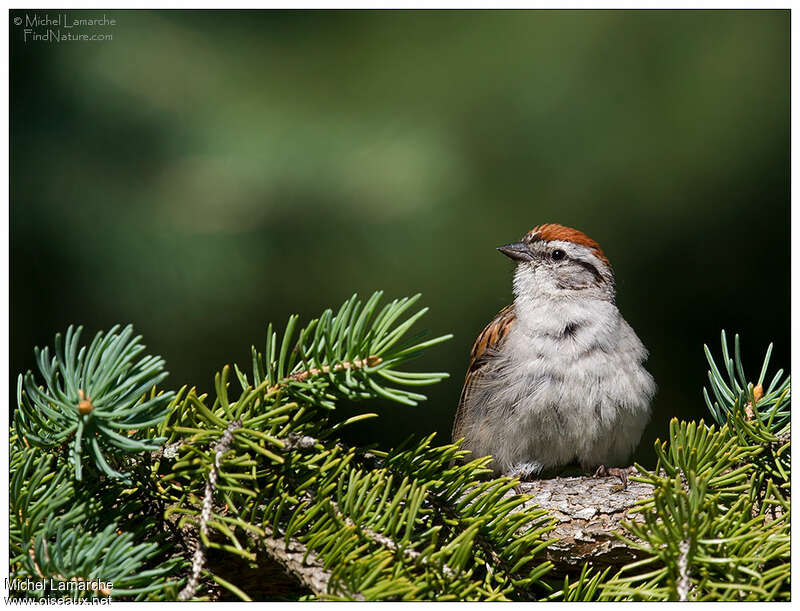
x: 489, y: 340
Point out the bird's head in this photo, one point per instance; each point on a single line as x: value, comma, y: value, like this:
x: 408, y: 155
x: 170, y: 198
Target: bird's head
x: 558, y: 261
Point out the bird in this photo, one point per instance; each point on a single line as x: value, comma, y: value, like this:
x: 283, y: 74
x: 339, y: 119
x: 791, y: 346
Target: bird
x: 557, y: 377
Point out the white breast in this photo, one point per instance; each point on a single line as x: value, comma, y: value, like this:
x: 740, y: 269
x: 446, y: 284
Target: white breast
x: 568, y: 385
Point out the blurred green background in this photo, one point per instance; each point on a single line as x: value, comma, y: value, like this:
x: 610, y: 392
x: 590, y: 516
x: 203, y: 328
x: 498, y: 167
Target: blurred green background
x: 206, y: 172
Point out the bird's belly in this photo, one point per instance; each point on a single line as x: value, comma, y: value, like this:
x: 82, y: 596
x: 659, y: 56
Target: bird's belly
x: 561, y: 408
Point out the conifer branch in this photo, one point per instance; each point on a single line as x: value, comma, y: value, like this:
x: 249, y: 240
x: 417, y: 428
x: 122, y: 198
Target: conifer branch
x: 112, y: 478
x: 222, y: 446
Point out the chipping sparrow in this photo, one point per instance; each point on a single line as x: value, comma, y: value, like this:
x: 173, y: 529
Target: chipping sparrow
x: 557, y: 376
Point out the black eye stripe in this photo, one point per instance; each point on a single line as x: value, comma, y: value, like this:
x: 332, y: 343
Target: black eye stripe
x: 591, y: 268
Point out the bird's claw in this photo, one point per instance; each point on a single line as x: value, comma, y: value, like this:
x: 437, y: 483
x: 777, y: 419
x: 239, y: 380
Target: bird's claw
x: 621, y: 473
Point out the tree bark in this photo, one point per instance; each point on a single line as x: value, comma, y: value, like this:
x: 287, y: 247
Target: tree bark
x: 588, y: 510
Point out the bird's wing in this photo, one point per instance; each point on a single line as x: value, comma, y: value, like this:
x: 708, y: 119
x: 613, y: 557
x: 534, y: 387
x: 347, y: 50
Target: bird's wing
x: 486, y: 346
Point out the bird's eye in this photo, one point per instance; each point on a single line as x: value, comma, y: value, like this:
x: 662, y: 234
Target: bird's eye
x: 558, y: 254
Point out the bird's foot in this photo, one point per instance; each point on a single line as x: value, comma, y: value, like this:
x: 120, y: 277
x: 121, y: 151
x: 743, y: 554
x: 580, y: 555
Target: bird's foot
x: 621, y: 473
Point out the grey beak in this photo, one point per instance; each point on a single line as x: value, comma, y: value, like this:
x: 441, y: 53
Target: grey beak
x: 517, y: 251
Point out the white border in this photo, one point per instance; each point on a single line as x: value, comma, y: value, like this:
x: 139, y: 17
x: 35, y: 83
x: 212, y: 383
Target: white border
x: 5, y: 377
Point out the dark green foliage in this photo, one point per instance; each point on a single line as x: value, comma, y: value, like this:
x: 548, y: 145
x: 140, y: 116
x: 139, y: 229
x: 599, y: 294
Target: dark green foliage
x: 51, y: 538
x: 354, y: 352
x: 587, y: 586
x: 735, y: 392
x: 94, y: 399
x: 404, y: 525
x: 718, y: 525
x: 267, y: 471
x: 706, y: 535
